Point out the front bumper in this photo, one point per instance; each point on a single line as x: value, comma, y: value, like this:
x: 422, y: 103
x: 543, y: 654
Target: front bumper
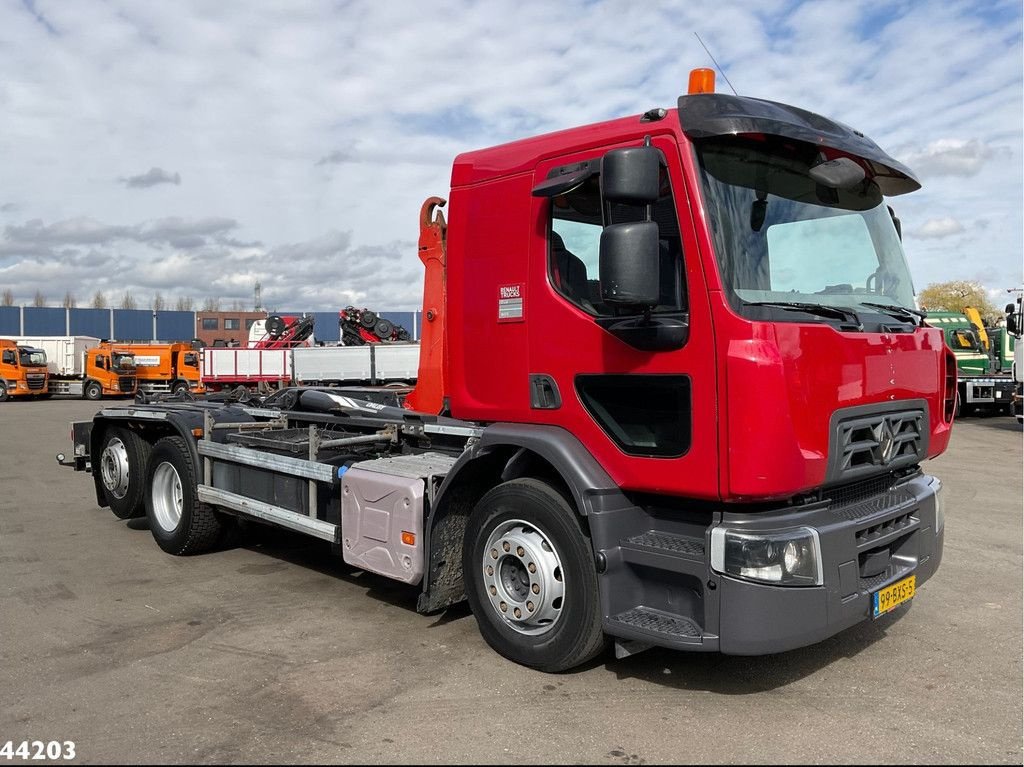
x: 658, y: 587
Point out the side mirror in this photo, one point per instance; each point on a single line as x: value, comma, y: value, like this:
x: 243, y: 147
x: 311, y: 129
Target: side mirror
x: 631, y: 175
x: 628, y: 264
x: 1013, y: 323
x: 895, y: 222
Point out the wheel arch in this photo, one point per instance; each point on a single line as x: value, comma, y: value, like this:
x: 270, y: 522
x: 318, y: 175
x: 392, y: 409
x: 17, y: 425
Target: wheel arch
x: 148, y: 429
x: 504, y: 452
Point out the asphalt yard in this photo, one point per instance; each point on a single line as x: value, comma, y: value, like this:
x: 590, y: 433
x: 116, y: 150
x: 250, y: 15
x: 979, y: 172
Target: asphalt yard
x: 272, y: 650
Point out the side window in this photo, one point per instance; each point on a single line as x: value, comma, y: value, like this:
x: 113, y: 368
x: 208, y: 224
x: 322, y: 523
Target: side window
x: 192, y: 359
x: 9, y: 358
x: 101, y: 362
x: 574, y: 236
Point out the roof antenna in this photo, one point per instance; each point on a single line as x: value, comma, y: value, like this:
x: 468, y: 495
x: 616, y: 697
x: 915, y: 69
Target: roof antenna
x: 720, y: 70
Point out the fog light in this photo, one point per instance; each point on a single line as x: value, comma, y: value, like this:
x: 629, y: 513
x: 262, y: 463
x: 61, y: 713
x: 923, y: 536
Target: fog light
x: 782, y: 557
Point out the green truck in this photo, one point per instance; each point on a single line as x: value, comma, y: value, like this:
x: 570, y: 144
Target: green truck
x: 984, y: 359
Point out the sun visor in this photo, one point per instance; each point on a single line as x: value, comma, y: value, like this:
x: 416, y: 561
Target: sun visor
x: 564, y: 179
x: 718, y: 114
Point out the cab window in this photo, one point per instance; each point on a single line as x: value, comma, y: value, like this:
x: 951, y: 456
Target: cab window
x: 9, y: 357
x: 574, y: 237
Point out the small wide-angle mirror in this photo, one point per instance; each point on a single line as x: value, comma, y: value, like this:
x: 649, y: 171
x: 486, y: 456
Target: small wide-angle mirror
x: 840, y: 173
x: 631, y: 175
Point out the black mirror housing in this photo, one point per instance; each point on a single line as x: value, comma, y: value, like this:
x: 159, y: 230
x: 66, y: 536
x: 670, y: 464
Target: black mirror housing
x: 628, y: 264
x: 631, y: 175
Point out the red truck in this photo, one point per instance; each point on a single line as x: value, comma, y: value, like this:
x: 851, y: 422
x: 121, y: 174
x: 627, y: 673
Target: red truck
x: 673, y: 391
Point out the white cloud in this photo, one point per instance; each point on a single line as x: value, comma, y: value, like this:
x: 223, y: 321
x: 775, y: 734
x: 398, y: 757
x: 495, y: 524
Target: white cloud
x: 937, y: 228
x: 299, y: 123
x: 951, y: 157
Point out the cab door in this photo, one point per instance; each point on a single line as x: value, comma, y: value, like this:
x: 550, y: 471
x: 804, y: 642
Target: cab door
x: 648, y: 416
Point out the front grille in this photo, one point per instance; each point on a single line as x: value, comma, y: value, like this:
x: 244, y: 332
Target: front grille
x: 35, y: 381
x: 868, y: 443
x: 882, y: 529
x: 126, y: 383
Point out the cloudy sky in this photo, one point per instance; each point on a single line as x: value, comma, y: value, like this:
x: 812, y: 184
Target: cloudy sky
x: 191, y: 148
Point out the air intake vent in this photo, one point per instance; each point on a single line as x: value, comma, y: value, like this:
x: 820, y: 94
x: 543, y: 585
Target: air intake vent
x: 867, y: 444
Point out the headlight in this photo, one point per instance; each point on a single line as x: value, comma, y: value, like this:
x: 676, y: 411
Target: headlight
x: 783, y: 557
x: 940, y: 507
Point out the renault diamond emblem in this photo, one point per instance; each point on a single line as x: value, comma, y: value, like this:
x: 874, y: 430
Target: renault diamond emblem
x: 888, y: 443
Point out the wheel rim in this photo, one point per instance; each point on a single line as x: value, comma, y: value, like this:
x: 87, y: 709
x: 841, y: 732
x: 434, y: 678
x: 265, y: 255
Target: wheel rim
x: 523, y: 577
x: 114, y: 468
x: 167, y: 497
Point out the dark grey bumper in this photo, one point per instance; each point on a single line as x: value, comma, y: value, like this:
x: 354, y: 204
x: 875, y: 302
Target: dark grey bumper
x: 658, y: 587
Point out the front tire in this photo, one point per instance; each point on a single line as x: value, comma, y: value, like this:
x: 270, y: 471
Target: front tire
x: 93, y: 391
x: 4, y: 396
x: 179, y: 522
x: 179, y: 387
x: 530, y: 577
x: 124, y: 457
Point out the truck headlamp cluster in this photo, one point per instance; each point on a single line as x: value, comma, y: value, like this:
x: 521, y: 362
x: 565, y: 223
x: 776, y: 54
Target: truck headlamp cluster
x: 782, y: 557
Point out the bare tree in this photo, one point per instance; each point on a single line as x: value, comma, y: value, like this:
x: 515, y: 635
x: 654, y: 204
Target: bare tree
x: 158, y: 304
x: 39, y: 299
x: 99, y: 301
x: 211, y: 305
x: 184, y: 304
x: 237, y: 306
x: 7, y: 299
x: 128, y: 301
x: 69, y: 300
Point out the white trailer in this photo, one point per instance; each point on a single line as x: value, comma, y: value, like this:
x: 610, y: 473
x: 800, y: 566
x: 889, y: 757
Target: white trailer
x: 234, y: 366
x: 372, y: 363
x: 310, y: 365
x: 65, y: 355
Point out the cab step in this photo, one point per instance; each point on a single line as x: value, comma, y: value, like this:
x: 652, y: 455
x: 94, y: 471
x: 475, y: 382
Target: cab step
x: 668, y: 551
x: 656, y: 627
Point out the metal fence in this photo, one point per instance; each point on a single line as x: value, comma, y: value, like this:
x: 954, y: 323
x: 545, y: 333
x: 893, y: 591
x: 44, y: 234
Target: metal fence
x: 149, y: 325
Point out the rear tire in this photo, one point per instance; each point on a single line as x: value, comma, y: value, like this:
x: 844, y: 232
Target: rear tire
x: 179, y: 522
x: 526, y: 550
x: 124, y: 457
x: 93, y: 391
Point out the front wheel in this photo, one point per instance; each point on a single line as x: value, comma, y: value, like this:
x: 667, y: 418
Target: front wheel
x: 179, y: 387
x: 179, y: 522
x: 93, y: 391
x: 530, y: 577
x: 3, y: 392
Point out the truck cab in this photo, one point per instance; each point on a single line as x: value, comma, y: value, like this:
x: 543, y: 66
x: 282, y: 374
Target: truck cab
x: 23, y: 371
x: 109, y: 370
x: 167, y: 368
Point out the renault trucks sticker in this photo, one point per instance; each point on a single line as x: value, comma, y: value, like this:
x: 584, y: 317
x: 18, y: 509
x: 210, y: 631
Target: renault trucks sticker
x: 510, y: 303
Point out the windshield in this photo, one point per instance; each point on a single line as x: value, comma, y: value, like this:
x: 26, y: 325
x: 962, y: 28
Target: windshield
x: 123, y: 361
x: 30, y: 357
x: 782, y: 237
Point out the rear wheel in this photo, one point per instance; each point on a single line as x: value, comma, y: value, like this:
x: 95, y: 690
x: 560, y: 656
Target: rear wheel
x: 530, y: 577
x: 93, y: 391
x: 179, y: 522
x: 123, y: 460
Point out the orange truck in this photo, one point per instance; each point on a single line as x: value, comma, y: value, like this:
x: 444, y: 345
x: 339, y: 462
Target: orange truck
x: 166, y: 368
x: 85, y: 366
x: 23, y: 370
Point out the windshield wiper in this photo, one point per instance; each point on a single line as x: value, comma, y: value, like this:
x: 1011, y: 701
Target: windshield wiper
x: 899, y: 312
x: 822, y: 310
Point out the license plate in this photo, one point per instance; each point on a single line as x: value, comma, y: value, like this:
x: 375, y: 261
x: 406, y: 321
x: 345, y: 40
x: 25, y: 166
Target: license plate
x: 886, y: 599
